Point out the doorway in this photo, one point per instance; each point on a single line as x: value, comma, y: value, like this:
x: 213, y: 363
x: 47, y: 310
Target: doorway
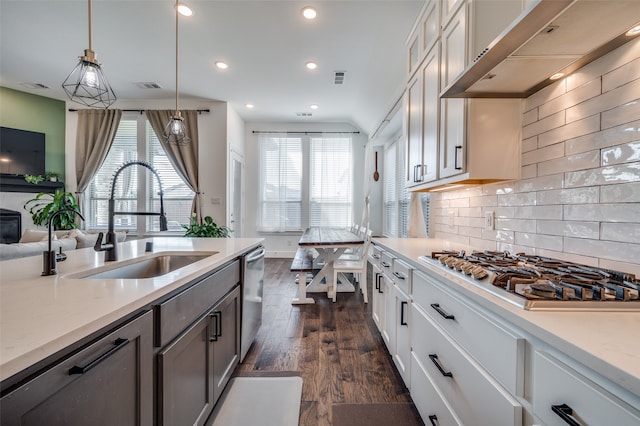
x: 236, y: 193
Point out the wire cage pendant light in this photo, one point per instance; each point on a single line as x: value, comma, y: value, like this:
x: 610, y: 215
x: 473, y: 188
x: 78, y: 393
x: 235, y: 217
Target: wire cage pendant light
x: 176, y: 132
x: 87, y: 84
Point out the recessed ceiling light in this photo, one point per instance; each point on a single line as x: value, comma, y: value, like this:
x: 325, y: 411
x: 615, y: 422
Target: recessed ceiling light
x: 222, y: 65
x: 311, y: 65
x: 184, y: 10
x: 556, y: 76
x: 313, y: 106
x: 309, y: 12
x: 250, y: 106
x: 634, y: 31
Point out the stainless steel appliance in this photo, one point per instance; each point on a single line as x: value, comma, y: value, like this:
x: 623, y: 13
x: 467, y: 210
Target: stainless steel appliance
x: 542, y: 283
x: 252, y: 283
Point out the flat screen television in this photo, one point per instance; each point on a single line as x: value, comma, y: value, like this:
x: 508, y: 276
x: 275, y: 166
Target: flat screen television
x: 21, y: 152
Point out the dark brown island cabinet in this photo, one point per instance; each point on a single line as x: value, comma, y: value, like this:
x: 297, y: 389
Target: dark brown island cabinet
x: 166, y: 366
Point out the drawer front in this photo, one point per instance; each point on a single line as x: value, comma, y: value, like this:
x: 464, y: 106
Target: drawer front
x: 479, y: 335
x: 430, y: 404
x: 402, y: 275
x: 177, y: 313
x: 386, y: 263
x: 555, y: 384
x: 474, y: 396
x: 375, y: 255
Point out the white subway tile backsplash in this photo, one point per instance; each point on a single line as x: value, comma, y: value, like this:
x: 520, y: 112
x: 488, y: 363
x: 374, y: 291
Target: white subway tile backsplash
x: 604, y: 249
x: 608, y: 100
x: 571, y: 98
x: 539, y: 212
x: 621, y: 76
x: 538, y: 241
x: 548, y: 123
x: 571, y: 130
x: 621, y: 154
x: 613, y: 136
x: 569, y: 228
x: 625, y: 113
x: 603, y: 212
x: 522, y: 199
x: 625, y: 193
x: 544, y: 154
x: 623, y: 232
x: 569, y: 196
x: 578, y: 197
x: 629, y: 172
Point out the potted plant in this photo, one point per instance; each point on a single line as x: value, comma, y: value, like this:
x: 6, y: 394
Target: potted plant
x: 206, y: 229
x: 45, y: 204
x: 34, y: 179
x: 52, y: 176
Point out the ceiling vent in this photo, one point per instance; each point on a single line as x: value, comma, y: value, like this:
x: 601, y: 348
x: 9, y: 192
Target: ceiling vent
x: 34, y: 85
x: 148, y: 85
x: 338, y: 77
x: 304, y: 114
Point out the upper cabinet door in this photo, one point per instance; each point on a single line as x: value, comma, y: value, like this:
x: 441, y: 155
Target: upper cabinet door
x: 413, y: 169
x: 430, y: 114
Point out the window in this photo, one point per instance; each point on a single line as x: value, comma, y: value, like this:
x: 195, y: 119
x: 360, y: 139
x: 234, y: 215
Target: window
x: 305, y: 181
x: 136, y: 140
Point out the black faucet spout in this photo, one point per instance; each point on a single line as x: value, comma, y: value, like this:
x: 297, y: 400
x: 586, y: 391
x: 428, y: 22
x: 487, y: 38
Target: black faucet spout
x: 50, y: 258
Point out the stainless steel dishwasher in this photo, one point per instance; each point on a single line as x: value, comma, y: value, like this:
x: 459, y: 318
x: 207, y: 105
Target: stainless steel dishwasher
x: 252, y: 284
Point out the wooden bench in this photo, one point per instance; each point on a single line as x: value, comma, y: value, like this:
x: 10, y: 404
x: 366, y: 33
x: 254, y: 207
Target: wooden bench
x: 303, y: 260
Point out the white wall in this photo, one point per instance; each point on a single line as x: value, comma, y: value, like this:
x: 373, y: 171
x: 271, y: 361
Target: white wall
x: 285, y: 244
x: 579, y: 195
x: 212, y: 133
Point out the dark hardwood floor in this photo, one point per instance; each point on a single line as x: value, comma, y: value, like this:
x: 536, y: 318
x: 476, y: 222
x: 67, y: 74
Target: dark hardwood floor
x: 336, y: 347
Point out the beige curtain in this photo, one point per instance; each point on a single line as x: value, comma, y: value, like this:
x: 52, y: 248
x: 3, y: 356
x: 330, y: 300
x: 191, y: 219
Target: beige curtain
x: 184, y: 158
x: 415, y: 227
x: 95, y: 133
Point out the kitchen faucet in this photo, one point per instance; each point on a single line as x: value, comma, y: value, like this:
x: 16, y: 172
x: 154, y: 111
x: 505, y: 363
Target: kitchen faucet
x: 50, y: 258
x: 110, y: 245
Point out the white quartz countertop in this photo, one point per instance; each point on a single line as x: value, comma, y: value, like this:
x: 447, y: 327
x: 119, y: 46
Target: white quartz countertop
x: 42, y: 315
x: 606, y: 342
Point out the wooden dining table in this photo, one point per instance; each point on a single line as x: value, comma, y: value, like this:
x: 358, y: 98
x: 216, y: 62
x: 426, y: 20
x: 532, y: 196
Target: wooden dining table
x: 330, y: 244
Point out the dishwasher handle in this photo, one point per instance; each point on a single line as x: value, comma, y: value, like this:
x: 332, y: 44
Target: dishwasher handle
x: 257, y: 254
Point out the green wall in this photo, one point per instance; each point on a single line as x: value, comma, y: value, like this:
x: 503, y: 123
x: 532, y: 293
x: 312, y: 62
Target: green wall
x: 25, y: 111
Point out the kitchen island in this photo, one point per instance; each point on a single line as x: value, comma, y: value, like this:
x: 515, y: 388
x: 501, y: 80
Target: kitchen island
x: 595, y: 349
x: 40, y: 316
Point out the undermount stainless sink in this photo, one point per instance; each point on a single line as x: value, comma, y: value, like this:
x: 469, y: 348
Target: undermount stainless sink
x: 146, y: 267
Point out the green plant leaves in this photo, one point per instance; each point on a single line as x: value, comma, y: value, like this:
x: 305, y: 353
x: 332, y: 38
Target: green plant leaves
x: 207, y: 229
x: 44, y: 205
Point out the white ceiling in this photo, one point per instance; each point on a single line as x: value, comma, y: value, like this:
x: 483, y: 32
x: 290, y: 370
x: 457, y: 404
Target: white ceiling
x: 266, y: 44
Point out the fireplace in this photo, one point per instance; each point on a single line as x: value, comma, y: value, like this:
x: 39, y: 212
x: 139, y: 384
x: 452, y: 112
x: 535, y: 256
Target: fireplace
x: 10, y: 226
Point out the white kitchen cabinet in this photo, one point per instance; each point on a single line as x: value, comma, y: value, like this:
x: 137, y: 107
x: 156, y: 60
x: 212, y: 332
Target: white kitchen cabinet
x: 402, y: 354
x: 431, y: 405
x: 413, y: 168
x: 562, y: 395
x: 430, y: 72
x: 377, y: 296
x: 389, y: 330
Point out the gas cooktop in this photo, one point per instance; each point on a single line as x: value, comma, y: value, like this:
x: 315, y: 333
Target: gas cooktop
x: 542, y: 283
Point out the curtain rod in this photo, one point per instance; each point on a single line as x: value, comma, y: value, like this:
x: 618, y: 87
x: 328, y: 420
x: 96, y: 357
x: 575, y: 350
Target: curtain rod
x: 200, y: 111
x: 304, y: 133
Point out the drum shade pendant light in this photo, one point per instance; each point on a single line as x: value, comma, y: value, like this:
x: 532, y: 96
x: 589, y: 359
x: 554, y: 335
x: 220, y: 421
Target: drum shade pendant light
x: 176, y: 132
x: 87, y: 83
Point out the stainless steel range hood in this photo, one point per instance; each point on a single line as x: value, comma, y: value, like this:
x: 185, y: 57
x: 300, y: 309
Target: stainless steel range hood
x: 550, y: 36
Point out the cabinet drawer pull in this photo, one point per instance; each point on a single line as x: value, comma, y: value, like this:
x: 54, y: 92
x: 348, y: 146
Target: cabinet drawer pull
x: 384, y: 264
x: 402, y: 305
x: 119, y: 344
x: 417, y: 169
x: 455, y: 161
x: 433, y: 419
x: 398, y: 275
x: 378, y: 282
x: 439, y: 310
x: 566, y: 413
x: 216, y: 326
x: 434, y: 358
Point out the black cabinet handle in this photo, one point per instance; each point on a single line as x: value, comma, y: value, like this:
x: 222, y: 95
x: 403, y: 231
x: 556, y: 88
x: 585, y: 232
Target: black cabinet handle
x: 384, y: 264
x: 216, y: 326
x: 398, y: 275
x: 439, y: 310
x: 434, y: 359
x: 455, y: 159
x: 565, y: 413
x: 380, y: 278
x: 402, y: 305
x: 433, y: 419
x: 119, y: 344
x: 377, y: 281
x: 416, y: 173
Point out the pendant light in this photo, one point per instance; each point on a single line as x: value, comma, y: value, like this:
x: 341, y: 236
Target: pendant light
x: 87, y: 83
x: 176, y: 132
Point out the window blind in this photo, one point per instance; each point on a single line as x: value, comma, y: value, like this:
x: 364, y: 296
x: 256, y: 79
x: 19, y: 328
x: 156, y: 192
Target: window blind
x: 280, y: 184
x: 390, y: 178
x: 330, y: 182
